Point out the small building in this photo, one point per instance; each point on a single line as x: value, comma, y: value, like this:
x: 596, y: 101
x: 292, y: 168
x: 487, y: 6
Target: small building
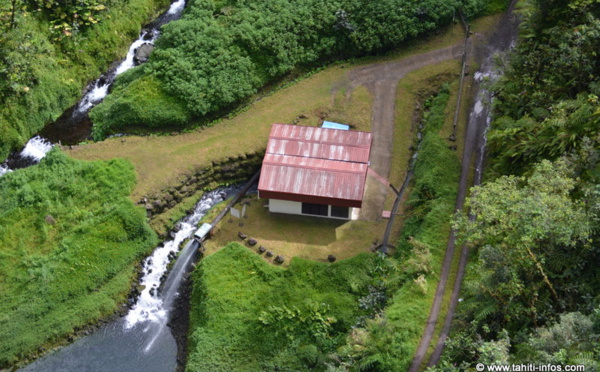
x: 315, y: 171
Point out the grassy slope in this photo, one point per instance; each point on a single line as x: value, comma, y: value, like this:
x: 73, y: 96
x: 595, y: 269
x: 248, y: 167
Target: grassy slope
x: 69, y: 239
x: 62, y: 71
x: 233, y: 287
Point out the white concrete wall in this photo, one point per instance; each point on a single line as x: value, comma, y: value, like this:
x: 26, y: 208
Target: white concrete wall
x: 292, y: 207
x: 285, y: 206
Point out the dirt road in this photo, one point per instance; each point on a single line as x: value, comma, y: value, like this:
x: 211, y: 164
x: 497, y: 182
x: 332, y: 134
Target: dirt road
x: 382, y: 80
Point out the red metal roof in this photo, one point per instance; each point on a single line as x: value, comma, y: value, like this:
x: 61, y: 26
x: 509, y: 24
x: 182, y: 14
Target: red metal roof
x: 319, y: 165
x: 320, y: 143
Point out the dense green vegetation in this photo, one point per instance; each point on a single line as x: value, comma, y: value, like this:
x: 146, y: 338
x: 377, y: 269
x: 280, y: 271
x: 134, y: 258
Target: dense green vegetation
x: 533, y: 294
x: 249, y: 315
x: 49, y: 50
x: 221, y: 52
x: 69, y: 241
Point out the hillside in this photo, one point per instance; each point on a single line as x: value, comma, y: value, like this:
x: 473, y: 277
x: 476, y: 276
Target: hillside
x: 49, y: 52
x: 532, y: 292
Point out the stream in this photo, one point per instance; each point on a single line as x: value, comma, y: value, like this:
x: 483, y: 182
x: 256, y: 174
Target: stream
x: 74, y: 125
x: 141, y: 340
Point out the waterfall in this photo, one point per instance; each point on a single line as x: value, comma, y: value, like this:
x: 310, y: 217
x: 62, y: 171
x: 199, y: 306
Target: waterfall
x: 99, y: 89
x: 36, y: 148
x: 34, y: 151
x: 154, y: 303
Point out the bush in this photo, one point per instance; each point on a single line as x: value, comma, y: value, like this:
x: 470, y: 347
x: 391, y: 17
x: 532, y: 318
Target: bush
x: 220, y: 53
x: 143, y: 100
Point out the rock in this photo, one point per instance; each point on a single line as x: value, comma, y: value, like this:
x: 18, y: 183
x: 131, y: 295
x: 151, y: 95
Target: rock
x: 269, y: 254
x: 452, y: 137
x: 177, y: 227
x: 242, y: 235
x: 172, y: 234
x: 331, y: 258
x: 279, y: 259
x: 143, y: 53
x: 262, y: 249
x: 252, y: 242
x: 302, y: 116
x: 50, y: 220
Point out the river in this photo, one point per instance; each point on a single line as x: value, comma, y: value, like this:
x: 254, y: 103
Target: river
x: 141, y: 340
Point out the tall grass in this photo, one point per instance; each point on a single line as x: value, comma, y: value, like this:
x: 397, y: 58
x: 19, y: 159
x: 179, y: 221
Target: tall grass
x: 69, y: 239
x: 234, y: 289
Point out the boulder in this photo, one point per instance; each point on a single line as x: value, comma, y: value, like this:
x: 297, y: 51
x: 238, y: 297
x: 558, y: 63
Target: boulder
x: 279, y: 259
x: 143, y: 53
x: 242, y: 235
x: 252, y: 242
x: 331, y: 258
x: 262, y: 249
x: 269, y: 254
x: 50, y: 220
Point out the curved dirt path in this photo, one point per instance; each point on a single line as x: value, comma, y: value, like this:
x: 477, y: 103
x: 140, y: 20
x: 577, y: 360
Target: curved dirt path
x: 382, y: 80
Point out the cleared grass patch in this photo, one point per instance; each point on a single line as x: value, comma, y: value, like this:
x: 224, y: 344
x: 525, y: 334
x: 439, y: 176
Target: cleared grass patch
x: 306, y: 237
x: 160, y: 159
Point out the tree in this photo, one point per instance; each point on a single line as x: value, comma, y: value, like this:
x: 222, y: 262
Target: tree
x: 529, y: 231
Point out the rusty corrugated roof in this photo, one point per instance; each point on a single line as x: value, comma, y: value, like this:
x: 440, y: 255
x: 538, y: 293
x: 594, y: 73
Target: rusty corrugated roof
x: 317, y: 162
x: 320, y: 143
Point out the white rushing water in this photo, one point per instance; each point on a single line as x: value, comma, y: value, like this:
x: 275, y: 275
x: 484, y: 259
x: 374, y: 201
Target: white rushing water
x: 486, y: 77
x: 151, y: 306
x: 146, y: 37
x: 4, y: 170
x: 100, y: 89
x: 176, y: 7
x: 36, y: 148
x: 101, y: 86
x: 34, y: 151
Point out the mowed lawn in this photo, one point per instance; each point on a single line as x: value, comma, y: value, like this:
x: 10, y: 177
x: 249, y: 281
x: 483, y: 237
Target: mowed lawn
x: 307, y: 237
